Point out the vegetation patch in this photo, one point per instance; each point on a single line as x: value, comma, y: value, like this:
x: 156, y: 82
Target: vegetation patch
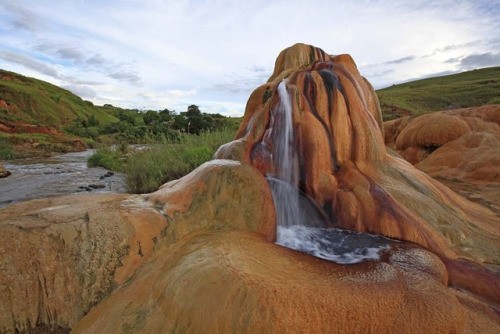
x: 146, y: 169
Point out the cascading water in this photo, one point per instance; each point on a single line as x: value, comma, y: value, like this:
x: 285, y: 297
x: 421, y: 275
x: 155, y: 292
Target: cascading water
x: 300, y: 225
x: 284, y: 178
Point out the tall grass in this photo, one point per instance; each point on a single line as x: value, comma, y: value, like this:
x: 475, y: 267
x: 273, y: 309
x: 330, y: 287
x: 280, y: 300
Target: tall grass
x: 108, y: 158
x: 148, y: 169
x: 6, y: 151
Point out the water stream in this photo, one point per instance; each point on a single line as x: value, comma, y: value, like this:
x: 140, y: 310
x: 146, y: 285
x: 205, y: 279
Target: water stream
x: 58, y: 175
x: 300, y: 224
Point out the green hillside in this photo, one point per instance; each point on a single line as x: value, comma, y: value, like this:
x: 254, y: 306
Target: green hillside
x: 38, y: 102
x: 38, y: 118
x: 467, y: 89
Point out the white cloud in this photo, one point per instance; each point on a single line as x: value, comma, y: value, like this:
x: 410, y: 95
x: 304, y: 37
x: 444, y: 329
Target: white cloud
x: 178, y: 93
x: 163, y: 53
x: 81, y: 90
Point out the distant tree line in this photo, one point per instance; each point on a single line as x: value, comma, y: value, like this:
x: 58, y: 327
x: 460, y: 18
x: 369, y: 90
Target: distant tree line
x: 137, y: 126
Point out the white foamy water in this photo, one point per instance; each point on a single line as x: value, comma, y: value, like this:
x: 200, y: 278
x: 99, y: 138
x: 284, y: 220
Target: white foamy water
x: 332, y: 244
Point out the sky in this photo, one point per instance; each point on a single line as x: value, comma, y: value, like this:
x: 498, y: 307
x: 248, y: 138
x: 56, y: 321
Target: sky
x: 159, y: 54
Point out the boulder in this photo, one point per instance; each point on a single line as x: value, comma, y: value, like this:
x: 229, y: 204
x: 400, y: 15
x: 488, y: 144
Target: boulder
x: 3, y: 171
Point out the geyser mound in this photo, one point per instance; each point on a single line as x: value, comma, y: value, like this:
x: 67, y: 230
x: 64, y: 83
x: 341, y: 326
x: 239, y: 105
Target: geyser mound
x: 198, y: 255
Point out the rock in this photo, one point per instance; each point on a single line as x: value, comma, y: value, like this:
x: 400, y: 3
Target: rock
x: 469, y: 164
x: 108, y: 174
x: 238, y: 282
x: 97, y: 186
x: 431, y: 131
x: 68, y: 254
x: 473, y: 156
x: 3, y: 171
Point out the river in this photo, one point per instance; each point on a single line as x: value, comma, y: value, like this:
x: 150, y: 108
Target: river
x: 58, y: 175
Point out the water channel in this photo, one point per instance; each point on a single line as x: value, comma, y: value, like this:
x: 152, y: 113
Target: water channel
x: 57, y: 175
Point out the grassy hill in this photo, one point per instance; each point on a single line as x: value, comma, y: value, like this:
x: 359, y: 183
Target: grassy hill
x: 37, y: 102
x: 467, y: 89
x: 38, y: 118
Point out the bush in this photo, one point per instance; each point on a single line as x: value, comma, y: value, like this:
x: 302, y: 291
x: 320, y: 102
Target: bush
x: 6, y: 153
x: 107, y: 158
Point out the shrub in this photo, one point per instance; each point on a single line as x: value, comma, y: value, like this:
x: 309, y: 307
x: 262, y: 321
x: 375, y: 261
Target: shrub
x: 6, y: 153
x: 107, y: 158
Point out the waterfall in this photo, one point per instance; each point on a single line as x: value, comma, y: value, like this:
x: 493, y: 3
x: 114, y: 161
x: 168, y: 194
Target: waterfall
x: 284, y: 178
x: 300, y: 224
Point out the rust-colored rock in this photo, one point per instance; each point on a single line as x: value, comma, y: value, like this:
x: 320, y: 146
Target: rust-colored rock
x: 238, y: 282
x: 345, y: 167
x: 469, y: 164
x: 62, y: 256
x: 431, y: 130
x: 473, y: 156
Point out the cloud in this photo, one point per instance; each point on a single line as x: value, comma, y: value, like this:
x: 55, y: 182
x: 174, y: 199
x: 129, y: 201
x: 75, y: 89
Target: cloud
x: 178, y: 93
x: 480, y: 60
x: 95, y: 62
x: 399, y: 60
x: 96, y: 59
x: 60, y: 51
x: 381, y: 73
x: 82, y: 91
x: 125, y: 75
x: 77, y: 81
x: 453, y: 60
x: 259, y: 69
x: 22, y: 18
x: 29, y: 63
x: 474, y: 61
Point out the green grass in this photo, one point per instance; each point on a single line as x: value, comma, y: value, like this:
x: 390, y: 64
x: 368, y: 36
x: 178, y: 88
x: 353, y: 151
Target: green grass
x: 467, y: 89
x: 146, y: 170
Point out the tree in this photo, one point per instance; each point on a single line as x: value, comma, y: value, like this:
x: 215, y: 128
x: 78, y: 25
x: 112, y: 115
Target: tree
x: 166, y: 115
x: 180, y: 123
x: 193, y: 110
x: 126, y: 116
x: 151, y: 117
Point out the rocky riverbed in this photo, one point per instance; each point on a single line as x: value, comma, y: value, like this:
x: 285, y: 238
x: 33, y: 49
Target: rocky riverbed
x: 58, y: 175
